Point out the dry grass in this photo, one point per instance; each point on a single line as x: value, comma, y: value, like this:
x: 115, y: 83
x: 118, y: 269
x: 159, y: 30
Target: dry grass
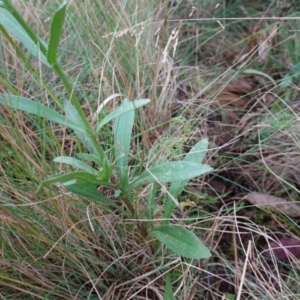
x: 57, y: 246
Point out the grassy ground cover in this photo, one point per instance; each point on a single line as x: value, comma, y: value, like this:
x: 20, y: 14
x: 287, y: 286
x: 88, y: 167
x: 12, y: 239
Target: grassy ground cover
x: 222, y: 71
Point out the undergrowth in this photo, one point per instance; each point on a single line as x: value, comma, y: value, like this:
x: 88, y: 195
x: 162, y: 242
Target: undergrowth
x: 224, y: 71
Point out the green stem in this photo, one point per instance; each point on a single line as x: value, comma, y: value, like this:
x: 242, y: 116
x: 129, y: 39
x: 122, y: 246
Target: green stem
x: 58, y: 70
x: 129, y: 206
x: 151, y: 198
x: 170, y: 205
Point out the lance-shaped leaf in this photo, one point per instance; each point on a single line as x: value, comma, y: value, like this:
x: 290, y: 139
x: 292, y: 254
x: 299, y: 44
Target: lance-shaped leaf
x: 90, y: 157
x: 74, y: 177
x: 76, y: 163
x: 14, y: 28
x: 181, y: 241
x: 129, y: 105
x: 171, y: 171
x: 122, y: 138
x: 38, y: 109
x: 89, y: 191
x: 55, y: 32
x: 195, y: 155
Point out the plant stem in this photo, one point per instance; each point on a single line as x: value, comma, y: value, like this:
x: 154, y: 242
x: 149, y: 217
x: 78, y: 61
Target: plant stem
x: 58, y: 70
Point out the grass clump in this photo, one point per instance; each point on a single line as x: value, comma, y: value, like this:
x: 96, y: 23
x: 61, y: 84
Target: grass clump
x: 113, y: 175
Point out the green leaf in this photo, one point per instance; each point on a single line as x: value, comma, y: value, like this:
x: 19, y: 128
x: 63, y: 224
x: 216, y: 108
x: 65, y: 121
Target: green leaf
x: 90, y: 157
x: 73, y: 176
x: 38, y: 109
x: 196, y: 155
x: 171, y: 171
x: 76, y: 163
x: 89, y: 191
x: 198, y: 152
x: 130, y: 105
x: 168, y: 289
x: 286, y: 81
x: 181, y: 241
x: 12, y: 26
x: 55, y: 32
x: 84, y: 137
x: 151, y: 201
x: 122, y: 138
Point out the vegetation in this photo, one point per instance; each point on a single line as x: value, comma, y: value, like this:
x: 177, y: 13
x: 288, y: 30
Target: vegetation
x: 150, y: 150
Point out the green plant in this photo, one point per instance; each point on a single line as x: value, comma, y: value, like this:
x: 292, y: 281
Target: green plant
x: 111, y: 168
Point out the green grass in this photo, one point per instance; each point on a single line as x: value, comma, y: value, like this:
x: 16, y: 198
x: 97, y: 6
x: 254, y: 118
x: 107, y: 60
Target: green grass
x: 58, y: 245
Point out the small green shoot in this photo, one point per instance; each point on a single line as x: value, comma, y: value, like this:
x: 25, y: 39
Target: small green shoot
x: 168, y: 288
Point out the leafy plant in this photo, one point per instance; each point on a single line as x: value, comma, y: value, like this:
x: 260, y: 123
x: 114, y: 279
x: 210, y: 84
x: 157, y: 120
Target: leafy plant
x: 111, y: 168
